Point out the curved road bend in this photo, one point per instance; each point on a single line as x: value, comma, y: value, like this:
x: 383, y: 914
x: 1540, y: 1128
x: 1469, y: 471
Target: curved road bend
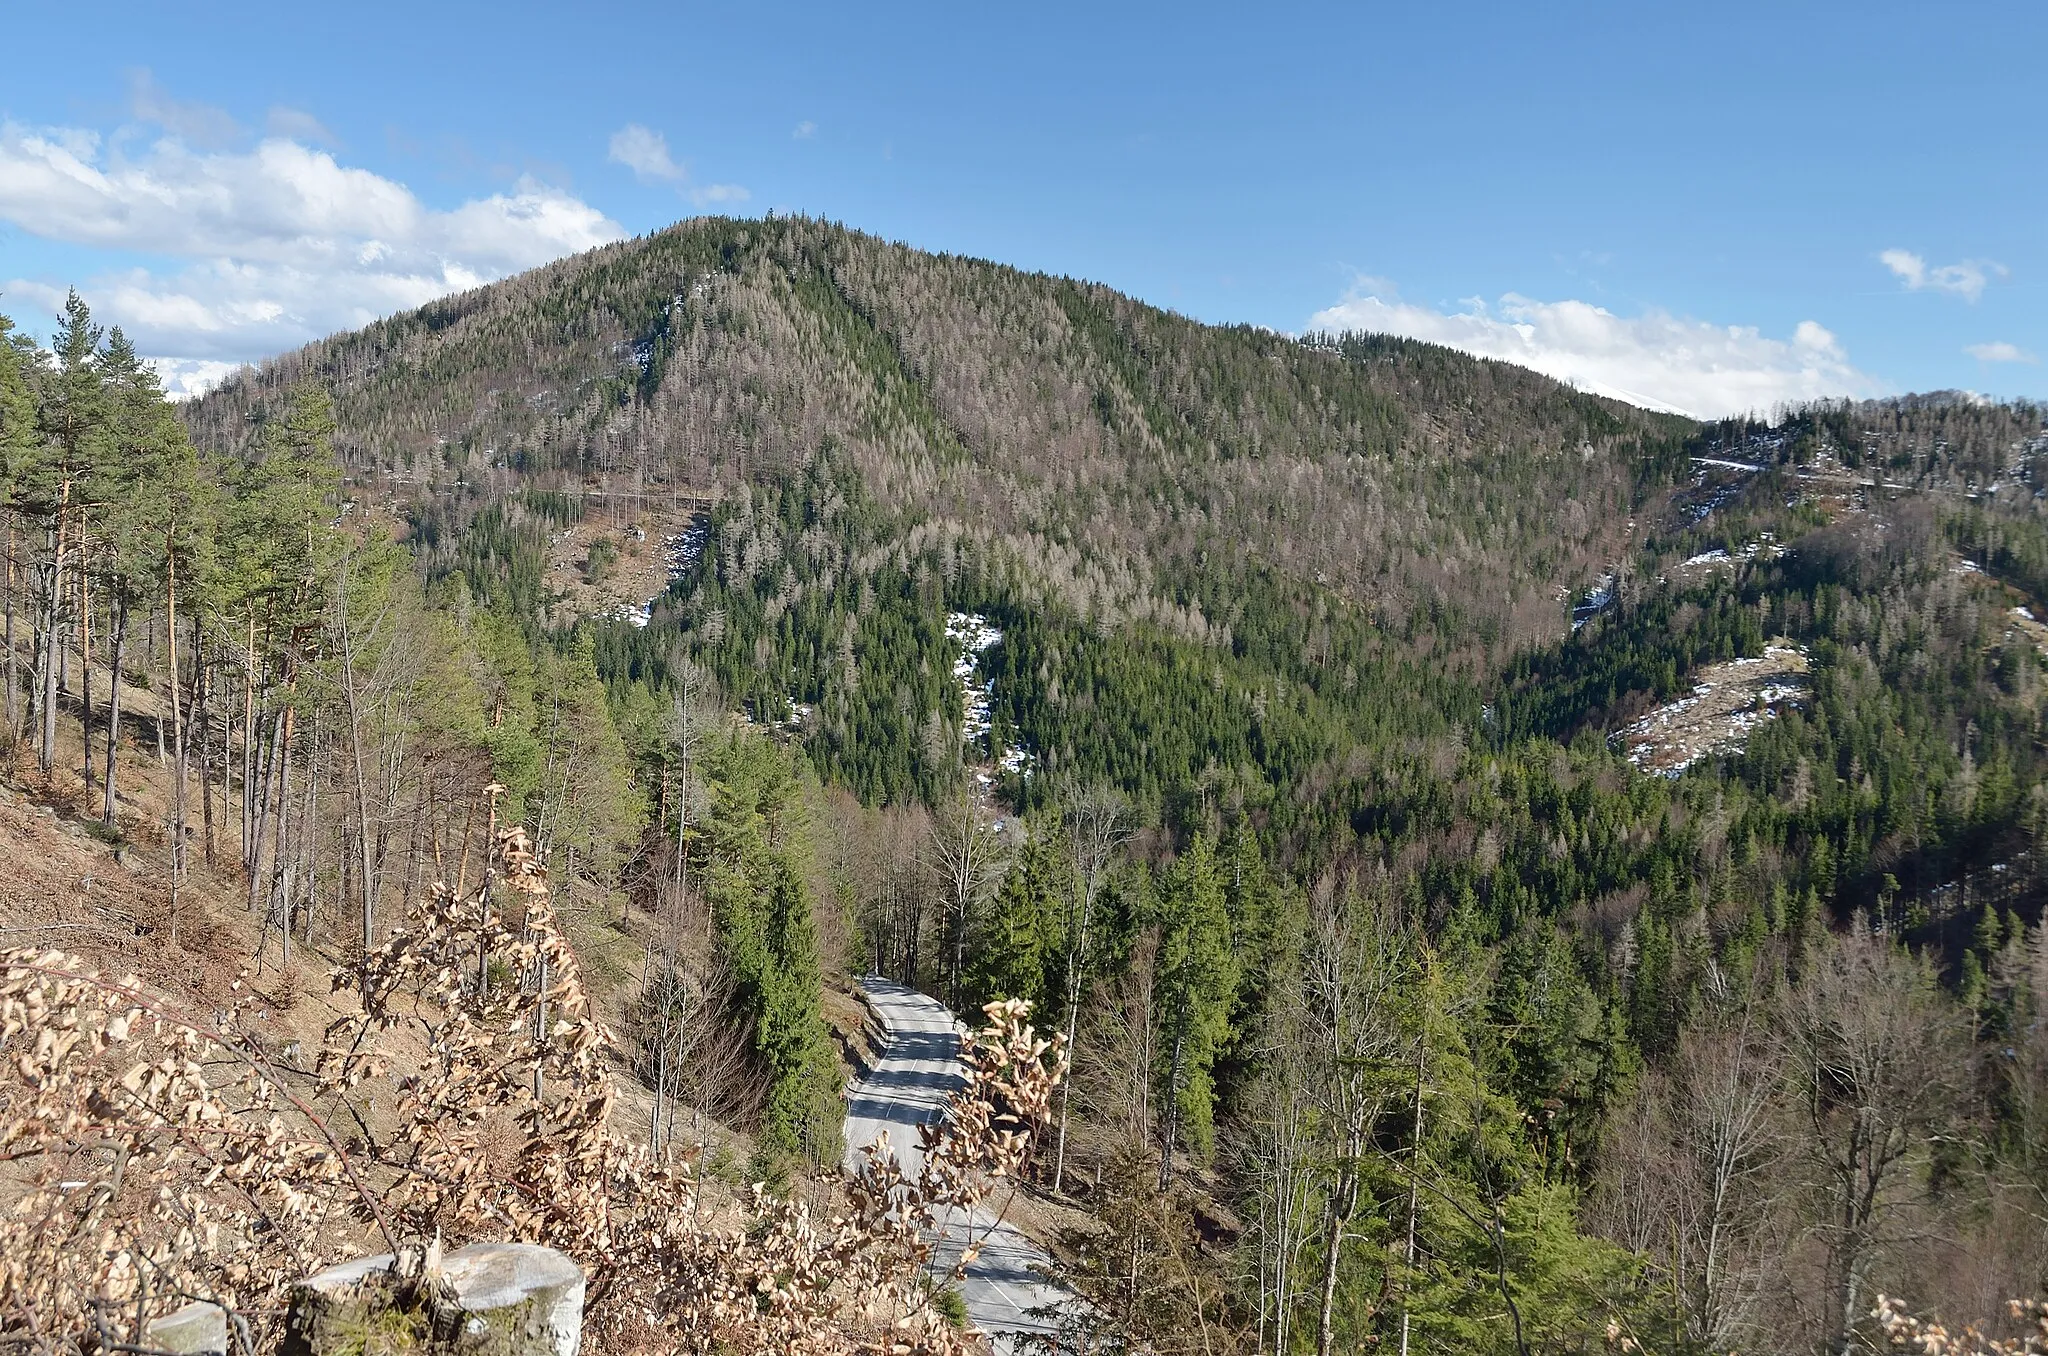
x: 908, y: 1086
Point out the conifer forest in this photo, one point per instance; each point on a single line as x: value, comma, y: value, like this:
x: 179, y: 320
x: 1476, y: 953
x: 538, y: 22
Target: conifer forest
x: 1507, y: 871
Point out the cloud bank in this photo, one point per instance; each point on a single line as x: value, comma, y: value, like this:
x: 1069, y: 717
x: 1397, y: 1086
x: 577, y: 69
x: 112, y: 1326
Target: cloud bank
x: 1656, y: 360
x: 264, y: 248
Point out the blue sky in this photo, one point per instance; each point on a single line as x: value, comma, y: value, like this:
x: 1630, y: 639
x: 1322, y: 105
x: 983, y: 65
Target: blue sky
x: 1707, y: 207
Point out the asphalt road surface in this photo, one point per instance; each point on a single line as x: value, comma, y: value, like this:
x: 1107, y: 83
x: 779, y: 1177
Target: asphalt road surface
x: 916, y: 1072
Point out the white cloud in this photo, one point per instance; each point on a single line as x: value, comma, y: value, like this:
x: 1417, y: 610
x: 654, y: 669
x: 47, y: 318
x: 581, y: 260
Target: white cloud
x: 645, y: 152
x: 1999, y: 352
x: 184, y: 378
x: 805, y: 130
x: 268, y: 247
x: 1966, y: 279
x: 1655, y: 360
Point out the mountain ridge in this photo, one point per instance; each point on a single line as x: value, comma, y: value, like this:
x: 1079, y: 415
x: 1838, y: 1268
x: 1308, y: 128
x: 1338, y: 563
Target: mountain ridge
x: 1104, y: 441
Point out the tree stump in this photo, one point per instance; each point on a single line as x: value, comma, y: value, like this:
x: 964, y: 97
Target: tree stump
x: 488, y: 1299
x: 195, y: 1330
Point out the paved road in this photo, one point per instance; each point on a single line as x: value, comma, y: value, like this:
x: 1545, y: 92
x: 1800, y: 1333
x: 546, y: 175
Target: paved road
x: 916, y: 1072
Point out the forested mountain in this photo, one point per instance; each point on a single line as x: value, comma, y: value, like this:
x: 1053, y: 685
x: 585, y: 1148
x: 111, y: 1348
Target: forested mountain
x: 1515, y: 872
x: 1116, y: 454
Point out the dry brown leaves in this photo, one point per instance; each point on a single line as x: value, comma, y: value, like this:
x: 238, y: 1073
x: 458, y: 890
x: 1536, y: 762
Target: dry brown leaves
x: 1903, y: 1332
x: 150, y: 1169
x: 157, y: 1157
x: 859, y: 1282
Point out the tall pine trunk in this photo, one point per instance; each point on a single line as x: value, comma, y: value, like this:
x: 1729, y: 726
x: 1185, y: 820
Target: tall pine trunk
x: 366, y: 874
x: 202, y: 701
x: 84, y: 655
x: 282, y: 864
x: 227, y: 757
x: 163, y: 755
x: 268, y: 808
x: 309, y: 828
x: 13, y: 711
x: 52, y: 646
x: 177, y: 733
x: 249, y: 742
x: 114, y: 709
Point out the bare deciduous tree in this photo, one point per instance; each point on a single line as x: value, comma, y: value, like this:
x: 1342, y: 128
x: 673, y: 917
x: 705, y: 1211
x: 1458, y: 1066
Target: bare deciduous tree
x: 1695, y: 1161
x: 1876, y: 1059
x: 1351, y: 1033
x: 969, y: 858
x: 1278, y: 1158
x: 1098, y: 824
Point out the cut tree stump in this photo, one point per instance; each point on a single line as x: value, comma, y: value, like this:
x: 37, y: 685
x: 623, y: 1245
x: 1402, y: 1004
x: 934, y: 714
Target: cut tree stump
x: 195, y: 1330
x: 488, y: 1299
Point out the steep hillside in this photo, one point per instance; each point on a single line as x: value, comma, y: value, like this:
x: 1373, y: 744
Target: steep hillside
x: 1421, y: 795
x: 1112, y: 450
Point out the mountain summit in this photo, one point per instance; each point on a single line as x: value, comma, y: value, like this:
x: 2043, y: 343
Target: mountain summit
x: 1114, y: 450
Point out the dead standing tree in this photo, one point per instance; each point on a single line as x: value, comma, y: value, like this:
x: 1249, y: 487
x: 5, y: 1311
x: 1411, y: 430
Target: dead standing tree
x: 969, y: 857
x: 1352, y: 1035
x: 1098, y: 824
x: 1876, y: 1059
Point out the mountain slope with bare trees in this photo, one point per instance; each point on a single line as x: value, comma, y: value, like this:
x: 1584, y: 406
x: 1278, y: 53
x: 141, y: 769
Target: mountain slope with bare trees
x: 1110, y: 446
x: 1273, y: 715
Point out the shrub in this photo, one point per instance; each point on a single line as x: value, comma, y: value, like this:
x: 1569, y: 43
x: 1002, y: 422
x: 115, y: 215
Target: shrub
x: 164, y: 1157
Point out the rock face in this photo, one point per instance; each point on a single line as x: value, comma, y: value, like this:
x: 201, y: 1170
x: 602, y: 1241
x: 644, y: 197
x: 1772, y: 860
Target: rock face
x: 488, y: 1299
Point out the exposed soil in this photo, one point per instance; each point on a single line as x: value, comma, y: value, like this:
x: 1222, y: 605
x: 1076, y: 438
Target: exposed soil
x: 67, y: 883
x: 1727, y: 702
x: 2022, y: 621
x: 646, y: 547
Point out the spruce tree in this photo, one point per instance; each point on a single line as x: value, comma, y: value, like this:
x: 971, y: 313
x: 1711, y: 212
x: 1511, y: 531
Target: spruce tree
x: 766, y: 938
x: 1198, y: 975
x: 1017, y: 952
x: 1265, y: 940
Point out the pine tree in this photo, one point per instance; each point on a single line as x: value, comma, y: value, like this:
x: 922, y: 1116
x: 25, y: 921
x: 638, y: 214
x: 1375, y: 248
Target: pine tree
x: 766, y: 937
x: 74, y: 428
x: 154, y: 506
x: 20, y: 442
x: 1198, y: 975
x: 18, y: 428
x: 1017, y: 946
